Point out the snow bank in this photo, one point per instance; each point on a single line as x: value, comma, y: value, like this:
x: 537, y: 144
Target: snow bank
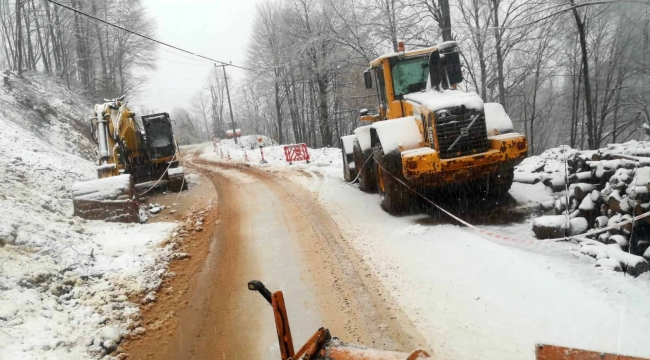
x: 328, y: 160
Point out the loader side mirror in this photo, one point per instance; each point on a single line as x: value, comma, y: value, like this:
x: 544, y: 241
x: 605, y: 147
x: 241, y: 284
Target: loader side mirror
x: 434, y: 69
x: 367, y: 79
x: 363, y: 112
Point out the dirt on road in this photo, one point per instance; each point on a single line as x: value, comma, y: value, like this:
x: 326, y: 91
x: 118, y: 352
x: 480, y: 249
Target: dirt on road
x: 268, y: 228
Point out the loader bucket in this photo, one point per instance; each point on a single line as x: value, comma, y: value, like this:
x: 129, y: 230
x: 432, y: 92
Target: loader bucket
x: 110, y: 199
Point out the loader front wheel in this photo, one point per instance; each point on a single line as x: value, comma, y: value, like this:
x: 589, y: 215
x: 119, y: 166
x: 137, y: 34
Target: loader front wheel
x: 365, y: 168
x: 501, y: 182
x: 394, y: 197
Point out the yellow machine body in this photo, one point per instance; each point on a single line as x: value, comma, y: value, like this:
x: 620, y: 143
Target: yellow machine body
x: 427, y: 169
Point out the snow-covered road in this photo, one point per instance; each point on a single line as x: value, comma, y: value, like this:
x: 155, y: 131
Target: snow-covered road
x: 274, y: 231
x: 471, y: 296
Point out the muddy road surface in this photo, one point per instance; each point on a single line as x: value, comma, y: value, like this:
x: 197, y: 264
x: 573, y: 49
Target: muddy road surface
x: 267, y: 228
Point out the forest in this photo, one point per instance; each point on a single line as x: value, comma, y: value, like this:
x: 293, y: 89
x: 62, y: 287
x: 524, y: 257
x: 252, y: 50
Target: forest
x: 567, y: 72
x: 38, y: 35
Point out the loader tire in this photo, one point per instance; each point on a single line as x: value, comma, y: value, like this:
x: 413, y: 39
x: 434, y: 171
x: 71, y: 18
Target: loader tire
x: 366, y: 170
x: 349, y: 173
x: 395, y: 197
x: 501, y: 182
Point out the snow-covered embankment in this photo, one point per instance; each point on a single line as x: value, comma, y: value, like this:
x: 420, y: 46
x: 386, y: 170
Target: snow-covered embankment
x: 67, y: 286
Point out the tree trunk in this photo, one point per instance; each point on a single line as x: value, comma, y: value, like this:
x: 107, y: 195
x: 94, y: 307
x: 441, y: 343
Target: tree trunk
x: 278, y: 107
x: 585, y: 69
x: 44, y: 55
x: 19, y: 39
x: 31, y: 59
x: 498, y: 33
x: 6, y: 38
x: 100, y: 44
x: 446, y: 20
x: 52, y: 36
x: 323, y: 113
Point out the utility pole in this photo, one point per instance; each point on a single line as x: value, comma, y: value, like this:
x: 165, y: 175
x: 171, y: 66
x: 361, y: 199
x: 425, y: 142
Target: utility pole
x: 446, y: 20
x: 232, y: 120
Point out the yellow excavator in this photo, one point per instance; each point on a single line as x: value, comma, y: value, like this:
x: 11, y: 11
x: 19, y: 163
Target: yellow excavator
x: 132, y: 160
x: 322, y: 346
x: 427, y: 134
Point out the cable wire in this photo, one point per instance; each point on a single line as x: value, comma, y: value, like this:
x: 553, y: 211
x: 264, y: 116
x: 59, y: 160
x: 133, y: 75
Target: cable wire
x: 146, y: 37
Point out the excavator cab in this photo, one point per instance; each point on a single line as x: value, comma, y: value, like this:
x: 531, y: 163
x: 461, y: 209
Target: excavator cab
x: 159, y: 135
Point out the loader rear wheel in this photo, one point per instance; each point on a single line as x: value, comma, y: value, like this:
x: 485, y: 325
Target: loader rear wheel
x: 394, y: 197
x: 365, y: 165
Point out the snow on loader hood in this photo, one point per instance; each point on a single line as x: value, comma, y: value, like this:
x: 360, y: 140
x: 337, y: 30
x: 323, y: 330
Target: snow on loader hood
x: 436, y: 100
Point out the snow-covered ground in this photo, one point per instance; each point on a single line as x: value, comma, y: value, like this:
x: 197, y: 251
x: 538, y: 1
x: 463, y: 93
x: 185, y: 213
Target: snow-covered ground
x: 471, y: 295
x: 67, y: 285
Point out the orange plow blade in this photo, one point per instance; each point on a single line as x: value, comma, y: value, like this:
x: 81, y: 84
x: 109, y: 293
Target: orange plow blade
x: 552, y: 352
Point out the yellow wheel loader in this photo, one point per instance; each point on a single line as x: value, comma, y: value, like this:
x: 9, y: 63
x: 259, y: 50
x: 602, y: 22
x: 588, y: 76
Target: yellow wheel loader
x: 322, y: 346
x: 131, y: 162
x: 427, y: 133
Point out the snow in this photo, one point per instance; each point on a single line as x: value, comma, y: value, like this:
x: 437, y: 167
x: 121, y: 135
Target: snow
x: 398, y: 134
x: 363, y: 136
x: 419, y: 151
x: 436, y: 100
x: 114, y: 187
x: 348, y: 143
x: 454, y: 284
x: 525, y: 193
x: 175, y: 171
x: 65, y: 282
x: 497, y: 120
x: 504, y: 136
x: 324, y: 158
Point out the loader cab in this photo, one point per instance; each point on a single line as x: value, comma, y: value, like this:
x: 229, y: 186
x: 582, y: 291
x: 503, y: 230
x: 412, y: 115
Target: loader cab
x: 405, y: 72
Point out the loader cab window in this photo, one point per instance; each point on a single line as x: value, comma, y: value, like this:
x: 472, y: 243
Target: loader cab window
x: 409, y: 75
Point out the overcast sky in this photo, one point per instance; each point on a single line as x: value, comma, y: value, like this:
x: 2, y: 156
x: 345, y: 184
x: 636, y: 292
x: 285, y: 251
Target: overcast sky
x: 214, y: 28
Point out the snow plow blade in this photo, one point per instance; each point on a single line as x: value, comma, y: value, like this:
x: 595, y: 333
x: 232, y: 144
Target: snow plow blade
x: 552, y: 352
x: 110, y: 199
x: 321, y: 345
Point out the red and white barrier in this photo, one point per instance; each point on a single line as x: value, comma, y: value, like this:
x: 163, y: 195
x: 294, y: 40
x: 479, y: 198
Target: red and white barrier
x: 296, y: 152
x: 263, y: 161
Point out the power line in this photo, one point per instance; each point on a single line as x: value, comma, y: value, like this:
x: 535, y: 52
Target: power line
x: 146, y: 37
